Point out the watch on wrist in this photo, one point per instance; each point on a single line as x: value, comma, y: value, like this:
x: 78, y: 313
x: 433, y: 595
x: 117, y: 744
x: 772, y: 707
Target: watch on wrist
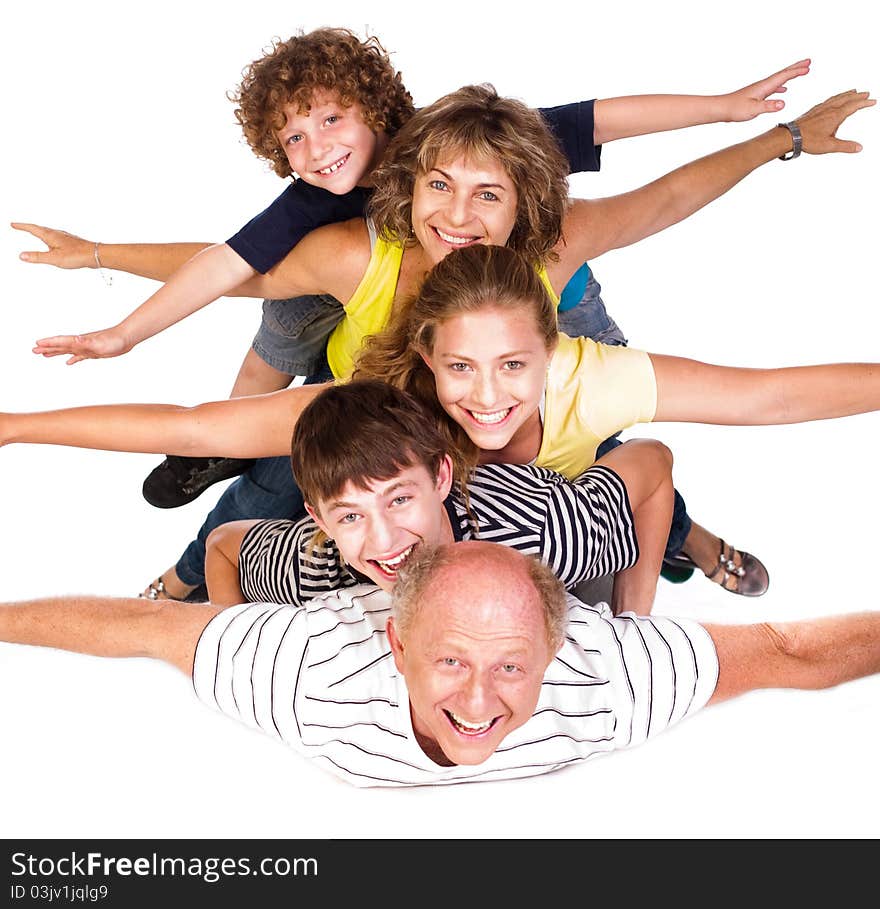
x: 797, y: 141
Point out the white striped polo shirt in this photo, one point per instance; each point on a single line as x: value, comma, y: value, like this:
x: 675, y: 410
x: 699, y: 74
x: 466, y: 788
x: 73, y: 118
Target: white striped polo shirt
x: 321, y: 678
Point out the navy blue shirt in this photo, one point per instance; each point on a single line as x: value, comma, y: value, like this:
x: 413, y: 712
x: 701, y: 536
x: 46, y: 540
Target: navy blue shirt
x: 266, y: 239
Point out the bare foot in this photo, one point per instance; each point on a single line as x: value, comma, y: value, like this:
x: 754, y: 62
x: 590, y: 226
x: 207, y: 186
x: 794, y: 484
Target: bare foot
x: 167, y: 586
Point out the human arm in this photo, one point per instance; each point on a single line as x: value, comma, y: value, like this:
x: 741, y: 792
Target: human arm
x: 331, y: 259
x: 645, y: 466
x: 101, y: 626
x: 251, y: 427
x: 311, y: 267
x: 222, y: 552
x: 638, y: 115
x: 692, y: 392
x: 147, y: 260
x: 815, y: 654
x: 592, y: 227
x: 209, y: 274
x: 263, y: 242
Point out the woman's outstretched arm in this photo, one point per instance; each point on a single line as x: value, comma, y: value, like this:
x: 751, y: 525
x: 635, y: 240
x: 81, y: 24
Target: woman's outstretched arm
x: 251, y: 427
x: 692, y: 392
x: 595, y: 226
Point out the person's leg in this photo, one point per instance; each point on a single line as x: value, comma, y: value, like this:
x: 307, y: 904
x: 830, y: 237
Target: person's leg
x: 257, y: 377
x: 221, y: 563
x: 290, y: 342
x: 266, y: 490
x: 689, y: 545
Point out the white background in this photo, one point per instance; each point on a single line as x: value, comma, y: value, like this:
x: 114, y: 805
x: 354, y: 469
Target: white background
x: 117, y: 127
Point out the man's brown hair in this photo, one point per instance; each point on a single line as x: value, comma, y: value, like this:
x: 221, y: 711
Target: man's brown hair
x: 290, y: 72
x: 359, y: 432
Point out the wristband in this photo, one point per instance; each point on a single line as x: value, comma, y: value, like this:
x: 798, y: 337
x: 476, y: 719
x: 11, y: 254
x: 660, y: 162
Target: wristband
x: 796, y: 141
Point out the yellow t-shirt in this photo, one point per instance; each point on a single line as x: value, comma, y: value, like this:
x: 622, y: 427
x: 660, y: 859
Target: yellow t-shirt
x: 593, y: 391
x: 369, y: 309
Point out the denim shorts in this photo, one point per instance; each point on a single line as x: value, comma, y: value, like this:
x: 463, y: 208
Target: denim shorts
x: 292, y: 337
x: 589, y: 319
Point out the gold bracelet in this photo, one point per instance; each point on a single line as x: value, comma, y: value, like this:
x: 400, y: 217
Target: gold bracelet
x: 108, y: 279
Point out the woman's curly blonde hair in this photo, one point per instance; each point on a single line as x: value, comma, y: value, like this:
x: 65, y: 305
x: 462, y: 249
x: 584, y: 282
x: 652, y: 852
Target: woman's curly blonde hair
x: 290, y: 72
x: 475, y: 123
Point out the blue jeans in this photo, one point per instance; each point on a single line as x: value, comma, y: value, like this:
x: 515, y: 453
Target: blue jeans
x: 268, y: 489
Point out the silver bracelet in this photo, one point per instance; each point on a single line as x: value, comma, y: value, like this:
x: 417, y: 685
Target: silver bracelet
x: 797, y: 142
x: 108, y: 279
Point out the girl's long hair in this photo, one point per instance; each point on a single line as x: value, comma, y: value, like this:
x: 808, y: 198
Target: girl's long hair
x: 465, y: 281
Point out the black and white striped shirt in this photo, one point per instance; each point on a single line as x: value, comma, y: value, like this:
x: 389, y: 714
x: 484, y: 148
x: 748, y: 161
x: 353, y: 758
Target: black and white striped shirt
x: 581, y: 529
x: 321, y: 678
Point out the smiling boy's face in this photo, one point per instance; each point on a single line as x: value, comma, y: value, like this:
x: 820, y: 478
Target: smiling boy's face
x: 378, y: 527
x: 330, y: 145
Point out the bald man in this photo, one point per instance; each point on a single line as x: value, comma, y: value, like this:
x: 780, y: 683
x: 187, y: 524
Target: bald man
x: 477, y: 667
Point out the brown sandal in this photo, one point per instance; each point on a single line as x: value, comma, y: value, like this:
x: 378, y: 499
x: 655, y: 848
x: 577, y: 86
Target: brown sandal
x: 750, y: 577
x: 157, y: 591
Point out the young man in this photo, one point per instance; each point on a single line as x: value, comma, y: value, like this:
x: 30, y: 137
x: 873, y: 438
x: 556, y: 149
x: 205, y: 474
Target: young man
x: 480, y: 670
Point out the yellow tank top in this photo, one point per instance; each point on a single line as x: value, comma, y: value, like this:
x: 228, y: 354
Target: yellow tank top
x: 369, y: 309
x: 593, y: 391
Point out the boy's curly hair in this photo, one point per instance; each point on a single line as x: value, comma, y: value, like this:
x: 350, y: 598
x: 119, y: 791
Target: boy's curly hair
x: 333, y: 59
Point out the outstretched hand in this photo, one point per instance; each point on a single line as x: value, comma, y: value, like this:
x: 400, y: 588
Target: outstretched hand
x: 819, y: 124
x: 754, y: 99
x: 95, y: 345
x: 65, y: 250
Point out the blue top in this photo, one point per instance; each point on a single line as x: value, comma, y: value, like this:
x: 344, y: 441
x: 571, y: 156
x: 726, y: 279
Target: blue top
x: 266, y: 239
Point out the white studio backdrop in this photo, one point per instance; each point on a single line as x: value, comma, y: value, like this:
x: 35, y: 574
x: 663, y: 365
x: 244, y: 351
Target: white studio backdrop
x: 117, y: 128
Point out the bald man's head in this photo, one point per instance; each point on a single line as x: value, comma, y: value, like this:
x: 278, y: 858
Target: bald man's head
x: 468, y: 563
x: 474, y: 626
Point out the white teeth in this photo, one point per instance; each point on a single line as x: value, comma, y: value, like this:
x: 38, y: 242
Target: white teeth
x: 470, y: 727
x: 457, y: 241
x: 391, y: 565
x: 495, y: 417
x: 326, y: 171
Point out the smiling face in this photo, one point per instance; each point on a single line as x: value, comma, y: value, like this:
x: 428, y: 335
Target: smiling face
x: 376, y: 529
x: 474, y: 656
x: 460, y: 202
x: 330, y: 145
x: 490, y: 368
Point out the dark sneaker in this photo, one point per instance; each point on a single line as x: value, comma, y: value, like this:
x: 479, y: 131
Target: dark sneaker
x: 177, y: 481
